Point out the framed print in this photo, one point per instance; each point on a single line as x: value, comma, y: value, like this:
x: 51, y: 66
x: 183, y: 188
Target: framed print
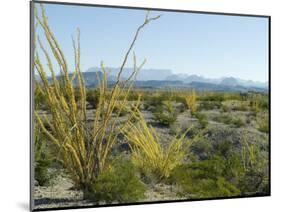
x: 146, y: 105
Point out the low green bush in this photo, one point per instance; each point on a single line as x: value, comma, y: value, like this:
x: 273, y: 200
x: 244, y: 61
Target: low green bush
x: 241, y: 107
x: 238, y: 122
x: 202, y: 118
x: 225, y: 109
x: 216, y: 97
x: 226, y: 119
x: 42, y: 159
x: 204, y: 179
x: 165, y: 114
x: 92, y: 97
x: 118, y: 184
x: 210, y: 105
x: 201, y: 149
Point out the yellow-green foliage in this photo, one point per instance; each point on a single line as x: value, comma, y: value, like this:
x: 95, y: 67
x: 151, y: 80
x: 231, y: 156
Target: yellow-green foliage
x: 248, y: 154
x: 191, y: 101
x: 147, y: 152
x: 83, y: 150
x: 263, y: 123
x: 256, y: 103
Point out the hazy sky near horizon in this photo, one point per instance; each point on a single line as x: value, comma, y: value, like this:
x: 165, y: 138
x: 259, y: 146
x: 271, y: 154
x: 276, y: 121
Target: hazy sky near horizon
x: 208, y: 45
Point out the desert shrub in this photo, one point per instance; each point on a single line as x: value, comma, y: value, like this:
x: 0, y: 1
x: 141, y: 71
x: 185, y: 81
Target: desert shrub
x: 179, y: 99
x: 226, y: 119
x: 212, y: 96
x: 255, y: 103
x: 225, y: 109
x: 202, y: 118
x: 134, y: 95
x: 201, y: 149
x: 241, y: 96
x: 263, y: 123
x: 165, y: 113
x: 222, y: 148
x: 118, y: 184
x: 83, y: 150
x: 204, y: 179
x: 238, y: 122
x: 210, y: 105
x: 149, y: 155
x: 191, y: 101
x: 255, y: 164
x: 229, y: 120
x: 92, y: 97
x: 241, y: 107
x: 155, y: 100
x: 42, y: 159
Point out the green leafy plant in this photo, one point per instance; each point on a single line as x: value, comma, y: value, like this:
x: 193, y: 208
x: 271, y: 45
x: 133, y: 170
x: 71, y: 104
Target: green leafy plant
x: 165, y: 113
x: 210, y: 105
x: 204, y: 179
x: 92, y: 97
x: 42, y: 159
x: 238, y: 122
x: 117, y: 184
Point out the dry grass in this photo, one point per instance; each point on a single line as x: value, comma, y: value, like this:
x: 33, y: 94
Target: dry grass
x: 147, y: 152
x: 191, y: 101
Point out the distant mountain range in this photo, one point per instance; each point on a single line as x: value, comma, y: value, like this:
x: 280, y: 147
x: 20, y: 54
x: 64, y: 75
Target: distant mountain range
x: 164, y: 78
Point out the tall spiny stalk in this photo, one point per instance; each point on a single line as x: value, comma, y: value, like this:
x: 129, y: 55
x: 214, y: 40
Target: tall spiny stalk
x: 82, y: 149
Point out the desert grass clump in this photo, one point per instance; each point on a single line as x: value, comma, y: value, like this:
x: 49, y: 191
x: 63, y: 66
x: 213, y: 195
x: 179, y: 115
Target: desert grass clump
x: 255, y: 103
x: 191, y: 101
x: 263, y: 123
x: 149, y: 155
x: 83, y: 150
x: 255, y: 165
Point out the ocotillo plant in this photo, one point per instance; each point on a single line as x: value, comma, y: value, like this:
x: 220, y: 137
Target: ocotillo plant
x: 83, y: 150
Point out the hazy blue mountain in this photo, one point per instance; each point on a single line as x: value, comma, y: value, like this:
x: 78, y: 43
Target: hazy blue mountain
x: 143, y: 75
x: 158, y: 78
x: 229, y: 81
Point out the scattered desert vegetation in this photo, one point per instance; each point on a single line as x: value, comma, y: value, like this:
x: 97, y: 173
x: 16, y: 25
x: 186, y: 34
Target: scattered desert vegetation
x: 116, y: 143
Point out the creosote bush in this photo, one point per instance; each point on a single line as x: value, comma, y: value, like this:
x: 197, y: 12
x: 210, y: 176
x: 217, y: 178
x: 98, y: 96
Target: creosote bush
x: 204, y: 179
x: 117, y: 184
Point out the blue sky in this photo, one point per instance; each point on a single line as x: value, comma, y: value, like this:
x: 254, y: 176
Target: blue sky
x: 209, y: 45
